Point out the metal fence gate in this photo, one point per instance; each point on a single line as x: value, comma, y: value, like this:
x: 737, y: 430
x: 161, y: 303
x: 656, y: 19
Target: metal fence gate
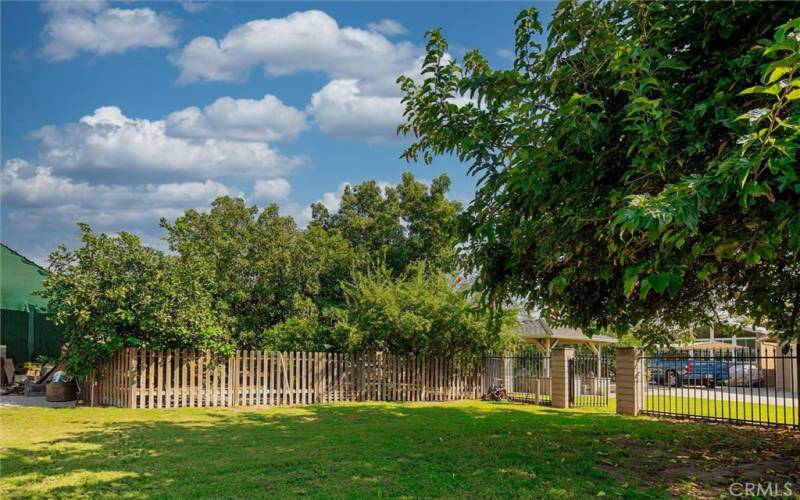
x: 524, y: 376
x: 590, y: 379
x: 742, y: 386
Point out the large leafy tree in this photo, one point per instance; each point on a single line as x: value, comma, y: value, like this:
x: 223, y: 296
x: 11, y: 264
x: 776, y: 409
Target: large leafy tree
x: 240, y: 277
x: 400, y: 225
x: 113, y: 292
x: 640, y: 170
x: 263, y: 265
x: 418, y: 312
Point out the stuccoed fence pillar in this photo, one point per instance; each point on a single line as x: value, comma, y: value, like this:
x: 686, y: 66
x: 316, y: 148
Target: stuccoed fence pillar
x: 630, y: 381
x: 560, y: 359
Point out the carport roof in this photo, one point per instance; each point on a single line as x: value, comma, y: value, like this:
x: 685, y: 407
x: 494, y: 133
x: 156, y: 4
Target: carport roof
x: 712, y: 345
x: 533, y: 329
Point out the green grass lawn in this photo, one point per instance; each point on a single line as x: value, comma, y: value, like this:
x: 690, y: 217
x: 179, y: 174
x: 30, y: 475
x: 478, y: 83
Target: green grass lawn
x: 475, y: 449
x: 771, y: 413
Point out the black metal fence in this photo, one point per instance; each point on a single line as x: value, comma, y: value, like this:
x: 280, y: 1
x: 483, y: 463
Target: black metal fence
x: 524, y: 376
x: 590, y: 380
x: 743, y: 386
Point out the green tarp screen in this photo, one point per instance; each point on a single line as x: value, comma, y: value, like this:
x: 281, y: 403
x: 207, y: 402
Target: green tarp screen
x: 46, y: 340
x: 25, y: 328
x: 20, y: 278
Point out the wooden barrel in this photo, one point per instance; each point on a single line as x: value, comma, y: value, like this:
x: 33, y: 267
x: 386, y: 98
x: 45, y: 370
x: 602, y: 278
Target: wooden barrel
x: 60, y: 391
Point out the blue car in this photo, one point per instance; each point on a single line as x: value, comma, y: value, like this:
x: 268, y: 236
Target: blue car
x: 676, y: 372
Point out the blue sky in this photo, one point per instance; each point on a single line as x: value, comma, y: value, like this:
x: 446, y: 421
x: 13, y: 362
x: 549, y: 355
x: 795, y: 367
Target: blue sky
x: 117, y: 114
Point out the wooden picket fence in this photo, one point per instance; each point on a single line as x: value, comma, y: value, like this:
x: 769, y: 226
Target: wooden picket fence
x: 178, y: 378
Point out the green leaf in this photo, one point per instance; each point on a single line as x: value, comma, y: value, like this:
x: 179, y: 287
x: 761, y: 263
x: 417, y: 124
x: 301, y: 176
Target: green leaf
x: 631, y: 278
x: 673, y: 64
x: 644, y: 288
x: 675, y: 284
x: 752, y: 90
x: 660, y: 281
x: 778, y: 72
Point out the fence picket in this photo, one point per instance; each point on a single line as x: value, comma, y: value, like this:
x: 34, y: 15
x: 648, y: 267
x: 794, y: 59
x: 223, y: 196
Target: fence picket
x: 306, y: 358
x: 306, y: 377
x: 229, y: 383
x: 309, y: 377
x: 319, y: 370
x: 114, y: 381
x: 271, y: 362
x: 303, y: 378
x: 258, y: 382
x: 251, y: 363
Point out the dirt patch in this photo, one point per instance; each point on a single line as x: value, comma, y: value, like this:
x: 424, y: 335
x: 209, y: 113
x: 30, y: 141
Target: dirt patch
x: 706, y: 467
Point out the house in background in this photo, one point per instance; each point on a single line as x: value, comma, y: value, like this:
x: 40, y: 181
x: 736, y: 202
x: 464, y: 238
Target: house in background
x: 775, y: 359
x: 25, y: 328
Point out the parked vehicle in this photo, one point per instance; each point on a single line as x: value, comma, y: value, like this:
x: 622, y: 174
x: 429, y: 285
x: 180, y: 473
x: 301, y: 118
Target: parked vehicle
x: 675, y: 372
x: 746, y: 375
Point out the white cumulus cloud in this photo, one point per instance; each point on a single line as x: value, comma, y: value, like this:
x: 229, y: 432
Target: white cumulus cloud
x: 342, y: 110
x: 108, y: 143
x: 361, y: 99
x: 505, y: 53
x: 388, y: 27
x: 267, y: 119
x: 75, y: 27
x: 270, y: 190
x: 31, y: 186
x: 193, y: 6
x: 40, y: 208
x: 310, y: 40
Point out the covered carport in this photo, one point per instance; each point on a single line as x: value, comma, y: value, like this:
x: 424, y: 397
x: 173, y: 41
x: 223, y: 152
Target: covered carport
x: 527, y: 376
x: 536, y: 332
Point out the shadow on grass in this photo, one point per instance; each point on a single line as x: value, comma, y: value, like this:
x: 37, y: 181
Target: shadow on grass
x: 366, y: 449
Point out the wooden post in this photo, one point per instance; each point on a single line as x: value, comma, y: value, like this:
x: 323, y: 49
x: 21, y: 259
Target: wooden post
x: 306, y: 377
x: 277, y: 380
x: 284, y: 379
x: 288, y: 378
x: 168, y: 385
x: 295, y: 373
x: 141, y: 362
x: 208, y: 390
x: 251, y: 377
x: 214, y: 369
x: 184, y: 365
x: 238, y: 377
x: 319, y: 370
x: 176, y: 378
x: 133, y: 371
x: 150, y: 380
x: 112, y: 367
x: 254, y: 385
x: 114, y: 378
x: 342, y: 388
x: 229, y: 382
x: 272, y: 388
x: 361, y: 379
x: 260, y: 378
x: 225, y: 383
